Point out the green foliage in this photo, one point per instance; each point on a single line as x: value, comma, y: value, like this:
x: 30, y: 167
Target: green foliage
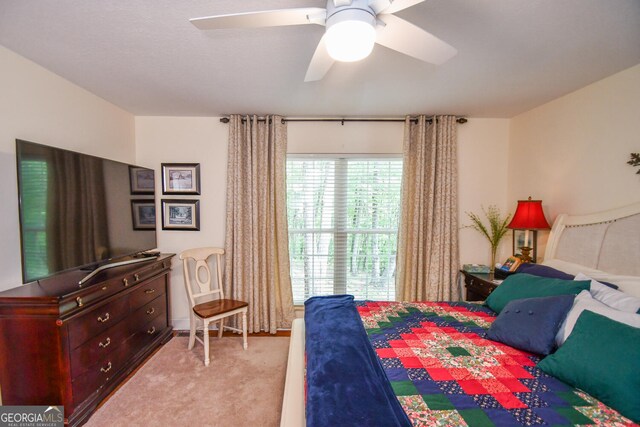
x: 496, y: 229
x: 635, y: 161
x: 343, y: 218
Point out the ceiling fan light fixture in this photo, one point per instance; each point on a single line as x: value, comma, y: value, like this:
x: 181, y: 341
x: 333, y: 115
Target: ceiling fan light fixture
x: 351, y: 34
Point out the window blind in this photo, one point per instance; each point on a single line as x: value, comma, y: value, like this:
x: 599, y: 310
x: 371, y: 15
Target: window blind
x: 343, y: 218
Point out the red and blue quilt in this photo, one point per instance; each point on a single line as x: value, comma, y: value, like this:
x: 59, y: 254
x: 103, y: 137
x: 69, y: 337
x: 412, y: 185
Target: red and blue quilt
x: 445, y: 372
x: 429, y: 364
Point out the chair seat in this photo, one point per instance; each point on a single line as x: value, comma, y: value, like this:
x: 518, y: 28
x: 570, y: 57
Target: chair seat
x: 216, y: 307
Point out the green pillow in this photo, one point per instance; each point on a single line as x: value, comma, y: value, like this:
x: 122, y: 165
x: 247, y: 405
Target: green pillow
x: 601, y: 357
x: 521, y: 285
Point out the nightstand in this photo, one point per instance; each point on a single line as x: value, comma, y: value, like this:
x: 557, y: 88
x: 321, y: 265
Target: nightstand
x: 479, y: 285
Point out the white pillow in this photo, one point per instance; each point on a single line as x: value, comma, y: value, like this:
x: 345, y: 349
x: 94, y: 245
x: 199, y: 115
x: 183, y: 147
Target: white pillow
x: 584, y: 301
x: 613, y: 298
x: 630, y: 285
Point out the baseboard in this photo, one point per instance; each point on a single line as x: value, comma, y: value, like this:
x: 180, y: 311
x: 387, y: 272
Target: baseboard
x: 181, y: 328
x: 181, y: 324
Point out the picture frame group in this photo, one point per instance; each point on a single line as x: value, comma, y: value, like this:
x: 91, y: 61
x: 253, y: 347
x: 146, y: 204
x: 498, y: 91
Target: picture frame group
x: 177, y: 214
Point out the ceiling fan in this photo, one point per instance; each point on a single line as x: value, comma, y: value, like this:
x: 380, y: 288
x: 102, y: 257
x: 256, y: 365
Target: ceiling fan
x: 352, y: 28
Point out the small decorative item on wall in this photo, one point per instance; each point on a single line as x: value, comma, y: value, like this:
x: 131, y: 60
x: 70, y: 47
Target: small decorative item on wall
x: 494, y: 232
x: 635, y: 161
x: 141, y: 180
x: 180, y: 178
x: 181, y: 214
x: 143, y: 214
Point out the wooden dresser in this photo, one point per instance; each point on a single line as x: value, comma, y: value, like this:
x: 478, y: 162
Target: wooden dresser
x: 61, y: 344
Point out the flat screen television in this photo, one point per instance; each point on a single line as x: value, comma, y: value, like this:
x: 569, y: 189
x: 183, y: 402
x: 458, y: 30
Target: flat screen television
x: 80, y: 211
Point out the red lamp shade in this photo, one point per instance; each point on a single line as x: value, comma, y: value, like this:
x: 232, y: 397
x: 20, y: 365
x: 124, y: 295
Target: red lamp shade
x: 529, y: 216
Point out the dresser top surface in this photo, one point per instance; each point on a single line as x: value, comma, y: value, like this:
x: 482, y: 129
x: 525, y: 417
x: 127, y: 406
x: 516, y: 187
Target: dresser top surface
x: 64, y: 285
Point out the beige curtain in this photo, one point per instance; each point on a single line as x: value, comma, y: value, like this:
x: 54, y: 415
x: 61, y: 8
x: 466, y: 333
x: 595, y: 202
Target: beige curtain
x: 428, y: 231
x: 257, y: 241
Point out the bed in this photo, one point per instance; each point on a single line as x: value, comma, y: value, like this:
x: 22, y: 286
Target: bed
x: 433, y: 363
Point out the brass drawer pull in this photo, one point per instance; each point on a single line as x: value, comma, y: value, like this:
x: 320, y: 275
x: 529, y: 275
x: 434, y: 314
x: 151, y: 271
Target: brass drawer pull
x: 104, y: 288
x: 149, y: 291
x: 152, y: 330
x: 105, y: 344
x: 107, y: 369
x: 125, y: 281
x: 151, y: 310
x: 103, y: 319
x: 136, y: 276
x: 79, y: 302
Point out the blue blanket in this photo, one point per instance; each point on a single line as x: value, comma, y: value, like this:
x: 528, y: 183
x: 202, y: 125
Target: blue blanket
x: 346, y: 384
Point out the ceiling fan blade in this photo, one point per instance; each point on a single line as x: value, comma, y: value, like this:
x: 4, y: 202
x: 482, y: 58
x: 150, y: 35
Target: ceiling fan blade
x: 379, y: 6
x: 265, y: 18
x: 397, y: 5
x: 320, y: 63
x: 413, y: 41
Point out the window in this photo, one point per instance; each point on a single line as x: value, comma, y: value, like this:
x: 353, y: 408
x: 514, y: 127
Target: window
x: 343, y: 218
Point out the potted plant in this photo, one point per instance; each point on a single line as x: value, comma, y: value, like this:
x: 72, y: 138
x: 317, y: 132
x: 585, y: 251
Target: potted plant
x: 494, y: 232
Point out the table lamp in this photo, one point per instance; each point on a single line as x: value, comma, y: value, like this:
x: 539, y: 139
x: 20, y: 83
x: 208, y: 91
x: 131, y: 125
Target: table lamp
x: 529, y: 216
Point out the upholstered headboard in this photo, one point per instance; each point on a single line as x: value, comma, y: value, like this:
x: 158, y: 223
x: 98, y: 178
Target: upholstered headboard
x: 607, y: 241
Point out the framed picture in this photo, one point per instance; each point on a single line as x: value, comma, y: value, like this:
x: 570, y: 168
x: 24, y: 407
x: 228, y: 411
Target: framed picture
x: 180, y: 214
x: 518, y: 241
x: 180, y: 178
x: 143, y: 214
x: 141, y: 180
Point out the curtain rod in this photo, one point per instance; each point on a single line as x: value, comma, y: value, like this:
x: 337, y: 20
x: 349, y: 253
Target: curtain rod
x: 342, y: 120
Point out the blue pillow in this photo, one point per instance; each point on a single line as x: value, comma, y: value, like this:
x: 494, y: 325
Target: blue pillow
x: 550, y: 272
x: 531, y: 324
x: 543, y: 271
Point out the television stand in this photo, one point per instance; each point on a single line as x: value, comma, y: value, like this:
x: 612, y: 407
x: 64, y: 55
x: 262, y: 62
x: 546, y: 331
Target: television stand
x: 112, y: 265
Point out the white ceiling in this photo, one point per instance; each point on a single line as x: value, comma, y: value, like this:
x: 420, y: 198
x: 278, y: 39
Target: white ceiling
x: 145, y: 56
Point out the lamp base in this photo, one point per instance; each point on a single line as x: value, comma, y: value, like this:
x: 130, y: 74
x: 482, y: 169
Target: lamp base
x: 526, y: 253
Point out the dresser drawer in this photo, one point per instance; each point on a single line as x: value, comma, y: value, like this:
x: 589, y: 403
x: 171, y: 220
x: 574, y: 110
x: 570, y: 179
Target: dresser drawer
x: 92, y: 294
x: 147, y: 332
x: 147, y: 273
x: 149, y: 311
x: 479, y: 286
x: 148, y: 292
x: 97, y: 320
x: 98, y: 374
x: 98, y: 348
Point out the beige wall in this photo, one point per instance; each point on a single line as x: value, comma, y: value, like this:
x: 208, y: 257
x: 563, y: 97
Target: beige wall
x: 187, y: 140
x: 572, y: 151
x: 483, y: 171
x: 483, y: 154
x: 39, y: 106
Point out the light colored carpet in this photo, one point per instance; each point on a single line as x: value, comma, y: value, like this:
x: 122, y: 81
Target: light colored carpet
x: 174, y: 388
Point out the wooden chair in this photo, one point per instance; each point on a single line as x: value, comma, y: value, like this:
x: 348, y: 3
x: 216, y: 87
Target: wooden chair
x: 209, y: 310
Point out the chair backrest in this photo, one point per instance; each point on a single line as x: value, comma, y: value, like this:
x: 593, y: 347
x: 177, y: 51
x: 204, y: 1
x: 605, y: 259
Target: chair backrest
x: 205, y: 288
